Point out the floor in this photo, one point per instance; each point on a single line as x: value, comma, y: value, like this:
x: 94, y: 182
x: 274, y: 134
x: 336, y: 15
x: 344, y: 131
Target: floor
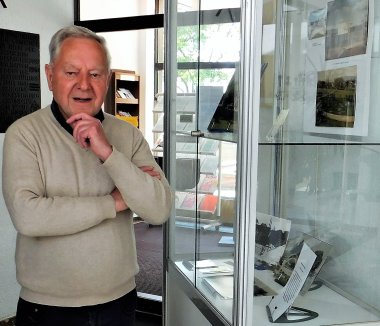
x: 149, y: 245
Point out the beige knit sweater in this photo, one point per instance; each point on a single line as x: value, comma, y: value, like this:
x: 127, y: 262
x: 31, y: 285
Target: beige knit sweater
x: 72, y: 248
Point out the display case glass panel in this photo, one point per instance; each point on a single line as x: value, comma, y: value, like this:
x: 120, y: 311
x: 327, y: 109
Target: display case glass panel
x: 203, y: 168
x: 317, y: 171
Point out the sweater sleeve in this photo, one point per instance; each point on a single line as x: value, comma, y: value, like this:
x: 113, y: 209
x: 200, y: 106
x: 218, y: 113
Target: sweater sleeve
x: 150, y: 198
x: 32, y: 212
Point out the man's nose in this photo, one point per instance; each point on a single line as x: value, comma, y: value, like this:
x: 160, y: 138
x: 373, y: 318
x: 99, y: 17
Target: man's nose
x: 84, y: 81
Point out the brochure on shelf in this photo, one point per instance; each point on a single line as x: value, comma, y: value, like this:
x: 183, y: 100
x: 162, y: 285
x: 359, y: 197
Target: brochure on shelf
x: 208, y: 183
x: 282, y: 302
x: 206, y: 263
x: 208, y: 268
x: 226, y: 241
x: 293, y: 248
x: 125, y: 93
x: 188, y: 202
x: 223, y: 286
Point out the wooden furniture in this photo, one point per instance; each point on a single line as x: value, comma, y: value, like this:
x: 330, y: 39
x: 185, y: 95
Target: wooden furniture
x: 123, y: 96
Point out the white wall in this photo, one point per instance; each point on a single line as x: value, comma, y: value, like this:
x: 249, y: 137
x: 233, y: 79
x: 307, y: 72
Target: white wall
x: 44, y: 18
x: 9, y: 289
x: 96, y: 9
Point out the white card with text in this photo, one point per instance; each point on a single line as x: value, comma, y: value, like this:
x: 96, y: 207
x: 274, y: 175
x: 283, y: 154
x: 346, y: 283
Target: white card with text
x: 284, y: 300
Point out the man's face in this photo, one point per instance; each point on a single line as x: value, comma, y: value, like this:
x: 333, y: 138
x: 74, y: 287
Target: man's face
x: 78, y: 77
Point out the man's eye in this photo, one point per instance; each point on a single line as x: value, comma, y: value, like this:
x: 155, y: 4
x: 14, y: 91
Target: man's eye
x: 71, y: 73
x: 95, y: 75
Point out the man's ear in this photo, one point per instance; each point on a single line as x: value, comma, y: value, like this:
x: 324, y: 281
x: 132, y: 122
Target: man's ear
x: 49, y: 75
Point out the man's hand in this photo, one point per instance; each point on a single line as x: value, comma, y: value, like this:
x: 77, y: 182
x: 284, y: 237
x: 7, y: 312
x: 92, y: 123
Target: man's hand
x: 88, y: 133
x: 150, y: 170
x: 120, y: 204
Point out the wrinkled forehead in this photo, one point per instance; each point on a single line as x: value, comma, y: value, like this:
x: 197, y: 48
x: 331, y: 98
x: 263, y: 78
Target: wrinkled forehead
x: 77, y: 50
x: 82, y: 52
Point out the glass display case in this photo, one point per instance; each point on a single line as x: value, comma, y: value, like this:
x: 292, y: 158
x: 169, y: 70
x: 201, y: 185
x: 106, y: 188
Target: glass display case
x: 274, y: 162
x: 204, y: 78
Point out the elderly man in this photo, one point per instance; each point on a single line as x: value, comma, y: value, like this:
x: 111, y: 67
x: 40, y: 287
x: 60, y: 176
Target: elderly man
x: 72, y: 176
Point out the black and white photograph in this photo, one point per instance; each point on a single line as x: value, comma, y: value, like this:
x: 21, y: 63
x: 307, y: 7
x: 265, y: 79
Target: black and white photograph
x: 347, y: 28
x: 336, y: 98
x: 272, y: 234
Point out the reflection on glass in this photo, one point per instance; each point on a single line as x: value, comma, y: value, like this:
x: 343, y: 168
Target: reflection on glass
x: 215, y: 37
x: 202, y: 232
x: 205, y: 217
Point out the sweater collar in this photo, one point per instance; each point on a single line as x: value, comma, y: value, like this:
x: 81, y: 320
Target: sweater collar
x: 62, y: 121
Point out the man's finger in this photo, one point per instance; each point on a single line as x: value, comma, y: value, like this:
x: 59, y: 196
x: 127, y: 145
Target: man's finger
x: 146, y: 168
x: 78, y: 116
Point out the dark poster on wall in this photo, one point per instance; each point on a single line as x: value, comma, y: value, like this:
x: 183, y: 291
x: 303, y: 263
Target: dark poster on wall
x: 19, y: 76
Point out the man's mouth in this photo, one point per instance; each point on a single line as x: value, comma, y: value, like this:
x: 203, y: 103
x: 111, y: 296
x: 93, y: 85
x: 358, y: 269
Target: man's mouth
x: 82, y: 99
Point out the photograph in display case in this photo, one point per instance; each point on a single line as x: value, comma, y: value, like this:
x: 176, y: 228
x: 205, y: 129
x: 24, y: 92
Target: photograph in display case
x: 347, y: 28
x: 291, y: 254
x: 317, y: 24
x: 338, y: 68
x: 336, y: 98
x: 224, y: 118
x: 272, y: 234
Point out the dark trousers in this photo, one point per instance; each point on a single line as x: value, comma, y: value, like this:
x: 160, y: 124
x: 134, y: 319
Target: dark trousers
x: 120, y: 312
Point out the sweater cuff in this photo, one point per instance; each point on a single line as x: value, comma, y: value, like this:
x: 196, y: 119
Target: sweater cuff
x: 108, y: 207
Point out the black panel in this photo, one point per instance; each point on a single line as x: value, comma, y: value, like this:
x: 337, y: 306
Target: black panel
x: 19, y: 75
x: 123, y: 24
